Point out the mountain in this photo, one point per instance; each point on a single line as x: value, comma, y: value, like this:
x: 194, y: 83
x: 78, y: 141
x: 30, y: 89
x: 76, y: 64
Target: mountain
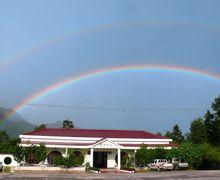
x: 15, y: 124
x: 56, y: 124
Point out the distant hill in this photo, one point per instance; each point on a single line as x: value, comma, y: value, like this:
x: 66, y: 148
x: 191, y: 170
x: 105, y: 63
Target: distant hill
x: 16, y: 124
x: 56, y: 124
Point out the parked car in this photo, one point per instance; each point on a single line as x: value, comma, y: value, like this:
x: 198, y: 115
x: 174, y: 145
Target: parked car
x: 1, y: 166
x: 178, y: 164
x: 160, y: 164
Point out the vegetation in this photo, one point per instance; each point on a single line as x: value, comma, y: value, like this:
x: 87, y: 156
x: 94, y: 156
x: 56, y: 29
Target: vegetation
x: 7, y: 169
x: 200, y: 148
x: 68, y: 124
x: 31, y: 154
x: 94, y: 169
x: 7, y: 144
x: 176, y: 134
x: 74, y: 159
x: 197, y: 133
x: 40, y: 127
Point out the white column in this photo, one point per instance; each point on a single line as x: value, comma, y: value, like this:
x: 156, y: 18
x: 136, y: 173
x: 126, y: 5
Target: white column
x: 91, y: 158
x: 66, y: 153
x: 135, y: 158
x: 119, y: 158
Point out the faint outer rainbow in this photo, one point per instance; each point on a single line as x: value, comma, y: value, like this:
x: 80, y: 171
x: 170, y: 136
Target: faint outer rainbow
x: 110, y: 70
x: 21, y: 56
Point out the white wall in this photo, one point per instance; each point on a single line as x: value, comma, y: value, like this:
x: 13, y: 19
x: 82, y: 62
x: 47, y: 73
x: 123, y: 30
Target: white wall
x: 13, y: 162
x: 111, y: 160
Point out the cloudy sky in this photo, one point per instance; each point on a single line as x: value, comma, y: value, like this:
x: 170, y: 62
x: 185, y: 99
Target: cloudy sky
x: 44, y: 42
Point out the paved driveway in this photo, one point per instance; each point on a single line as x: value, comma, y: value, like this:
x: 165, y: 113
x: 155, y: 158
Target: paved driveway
x: 204, y: 175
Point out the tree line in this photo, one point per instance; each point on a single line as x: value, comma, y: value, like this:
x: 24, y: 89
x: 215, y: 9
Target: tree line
x: 200, y: 147
x: 204, y: 129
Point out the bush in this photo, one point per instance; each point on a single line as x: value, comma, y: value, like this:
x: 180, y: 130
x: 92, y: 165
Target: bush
x: 142, y: 156
x: 145, y: 156
x: 41, y: 153
x: 94, y: 169
x: 77, y: 158
x: 58, y: 161
x: 210, y: 157
x: 18, y: 153
x: 128, y: 169
x: 7, y: 169
x: 35, y: 154
x: 66, y: 162
x: 87, y: 167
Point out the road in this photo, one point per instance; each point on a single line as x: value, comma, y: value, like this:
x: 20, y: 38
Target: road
x: 203, y: 175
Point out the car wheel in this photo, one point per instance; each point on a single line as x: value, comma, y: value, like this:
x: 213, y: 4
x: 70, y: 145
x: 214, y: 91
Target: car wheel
x: 176, y: 168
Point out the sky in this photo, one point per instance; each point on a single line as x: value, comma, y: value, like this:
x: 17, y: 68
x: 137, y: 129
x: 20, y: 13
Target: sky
x: 43, y: 42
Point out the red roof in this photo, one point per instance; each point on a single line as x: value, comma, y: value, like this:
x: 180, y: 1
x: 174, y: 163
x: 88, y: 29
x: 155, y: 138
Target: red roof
x: 152, y: 145
x: 95, y: 133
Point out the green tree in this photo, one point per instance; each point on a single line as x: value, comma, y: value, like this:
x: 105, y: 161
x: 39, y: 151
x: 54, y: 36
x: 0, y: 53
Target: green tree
x: 209, y: 124
x: 159, y: 133
x: 176, y: 134
x: 18, y: 153
x: 68, y: 124
x: 216, y: 122
x: 41, y: 153
x: 3, y: 136
x: 7, y: 144
x: 40, y: 127
x: 197, y: 134
x: 142, y: 156
x: 211, y: 157
x: 187, y: 152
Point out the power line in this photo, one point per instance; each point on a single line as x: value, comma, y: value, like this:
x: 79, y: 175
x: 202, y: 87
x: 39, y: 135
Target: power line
x: 109, y: 108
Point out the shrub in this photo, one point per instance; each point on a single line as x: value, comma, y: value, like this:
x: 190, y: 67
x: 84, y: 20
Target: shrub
x: 18, y: 153
x: 210, y: 157
x: 94, y: 169
x: 77, y: 158
x: 35, y: 154
x: 66, y: 162
x: 41, y: 153
x: 142, y: 156
x: 58, y: 161
x: 7, y: 169
x: 128, y: 169
x: 87, y: 167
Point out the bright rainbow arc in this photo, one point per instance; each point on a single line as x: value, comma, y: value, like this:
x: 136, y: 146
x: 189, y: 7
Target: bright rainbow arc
x: 100, y: 72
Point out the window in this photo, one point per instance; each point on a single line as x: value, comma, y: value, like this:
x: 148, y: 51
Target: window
x: 7, y: 160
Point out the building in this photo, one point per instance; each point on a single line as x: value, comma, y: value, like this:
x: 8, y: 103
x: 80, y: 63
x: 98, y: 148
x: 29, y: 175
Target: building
x: 102, y: 148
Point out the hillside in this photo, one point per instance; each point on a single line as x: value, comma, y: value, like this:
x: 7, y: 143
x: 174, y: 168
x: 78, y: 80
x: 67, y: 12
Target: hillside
x: 14, y: 125
x: 17, y: 124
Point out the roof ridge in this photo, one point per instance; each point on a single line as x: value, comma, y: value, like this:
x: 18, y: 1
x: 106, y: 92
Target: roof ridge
x: 97, y: 129
x: 105, y: 133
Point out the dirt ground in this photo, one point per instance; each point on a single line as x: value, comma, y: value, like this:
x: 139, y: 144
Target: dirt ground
x: 204, y: 175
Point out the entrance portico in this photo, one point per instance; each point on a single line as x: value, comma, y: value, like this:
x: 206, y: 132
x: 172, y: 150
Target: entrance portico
x: 102, y: 154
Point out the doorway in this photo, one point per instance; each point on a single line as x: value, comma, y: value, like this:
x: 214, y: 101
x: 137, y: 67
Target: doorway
x: 100, y: 159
